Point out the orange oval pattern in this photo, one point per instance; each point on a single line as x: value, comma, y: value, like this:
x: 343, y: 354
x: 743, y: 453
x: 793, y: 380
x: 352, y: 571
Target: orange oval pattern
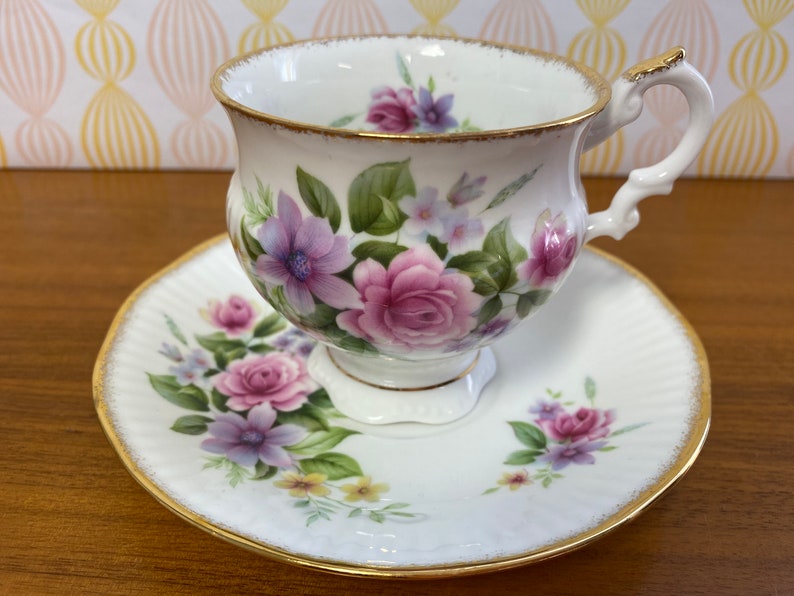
x: 111, y: 84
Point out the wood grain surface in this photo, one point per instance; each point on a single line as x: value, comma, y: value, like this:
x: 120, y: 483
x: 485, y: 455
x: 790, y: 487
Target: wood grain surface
x: 74, y: 245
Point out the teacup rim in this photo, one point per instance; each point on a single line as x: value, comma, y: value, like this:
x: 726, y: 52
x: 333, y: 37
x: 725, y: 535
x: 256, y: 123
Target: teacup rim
x: 598, y: 83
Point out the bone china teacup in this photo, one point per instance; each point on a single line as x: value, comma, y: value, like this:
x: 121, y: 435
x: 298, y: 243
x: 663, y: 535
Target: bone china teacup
x: 407, y: 200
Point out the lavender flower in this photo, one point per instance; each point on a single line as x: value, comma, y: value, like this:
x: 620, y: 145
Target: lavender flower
x: 303, y: 255
x: 578, y: 452
x: 433, y: 115
x: 246, y: 441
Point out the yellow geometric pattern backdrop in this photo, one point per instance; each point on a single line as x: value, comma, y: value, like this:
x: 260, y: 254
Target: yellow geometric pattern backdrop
x: 123, y: 84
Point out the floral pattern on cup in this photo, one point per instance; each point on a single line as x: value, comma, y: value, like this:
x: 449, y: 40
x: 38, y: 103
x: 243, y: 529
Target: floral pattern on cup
x: 413, y: 269
x: 408, y: 108
x: 560, y: 434
x: 263, y: 417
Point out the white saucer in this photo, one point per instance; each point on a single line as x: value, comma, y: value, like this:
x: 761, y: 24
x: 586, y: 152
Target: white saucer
x: 447, y: 502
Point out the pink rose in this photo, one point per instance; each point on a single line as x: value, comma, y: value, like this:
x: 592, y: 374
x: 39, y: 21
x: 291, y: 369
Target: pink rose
x: 414, y: 305
x: 585, y: 423
x: 235, y: 316
x: 277, y: 378
x: 553, y: 250
x: 392, y: 111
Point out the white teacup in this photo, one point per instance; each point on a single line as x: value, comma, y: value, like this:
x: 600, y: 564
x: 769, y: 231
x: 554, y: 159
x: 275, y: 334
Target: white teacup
x: 409, y: 200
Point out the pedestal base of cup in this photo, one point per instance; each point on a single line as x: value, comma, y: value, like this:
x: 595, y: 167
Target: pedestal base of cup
x: 379, y: 390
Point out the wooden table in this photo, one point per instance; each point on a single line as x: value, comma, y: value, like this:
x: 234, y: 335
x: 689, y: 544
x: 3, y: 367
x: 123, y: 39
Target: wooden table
x: 73, y: 245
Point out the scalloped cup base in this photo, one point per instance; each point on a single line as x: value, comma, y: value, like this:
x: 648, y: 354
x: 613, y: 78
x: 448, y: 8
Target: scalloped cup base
x: 378, y: 390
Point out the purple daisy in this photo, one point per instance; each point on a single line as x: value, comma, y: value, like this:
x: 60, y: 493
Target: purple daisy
x: 578, y: 452
x: 433, y: 115
x: 246, y: 441
x: 302, y: 254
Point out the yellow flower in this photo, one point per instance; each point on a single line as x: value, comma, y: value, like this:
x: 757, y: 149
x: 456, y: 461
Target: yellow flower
x: 303, y: 486
x: 514, y: 480
x: 364, y: 489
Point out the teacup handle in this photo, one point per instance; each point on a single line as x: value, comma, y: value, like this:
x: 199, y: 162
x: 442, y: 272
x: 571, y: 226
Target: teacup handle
x: 670, y: 68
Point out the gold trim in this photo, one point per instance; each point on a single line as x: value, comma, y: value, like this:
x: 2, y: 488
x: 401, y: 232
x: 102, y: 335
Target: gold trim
x: 689, y: 451
x: 656, y: 64
x: 404, y: 389
x: 599, y: 85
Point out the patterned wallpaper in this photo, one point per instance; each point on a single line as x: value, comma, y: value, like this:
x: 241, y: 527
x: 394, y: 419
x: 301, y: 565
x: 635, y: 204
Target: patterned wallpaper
x: 124, y: 83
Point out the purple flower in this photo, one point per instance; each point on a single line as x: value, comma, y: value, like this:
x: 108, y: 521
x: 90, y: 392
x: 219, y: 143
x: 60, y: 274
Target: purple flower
x: 433, y: 115
x: 424, y: 211
x: 546, y: 410
x: 553, y: 250
x: 248, y: 440
x: 191, y: 369
x: 302, y: 255
x: 465, y: 190
x: 171, y: 352
x: 458, y: 229
x: 578, y: 452
x: 392, y: 111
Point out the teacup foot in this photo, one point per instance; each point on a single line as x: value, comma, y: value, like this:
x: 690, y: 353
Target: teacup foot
x: 433, y: 392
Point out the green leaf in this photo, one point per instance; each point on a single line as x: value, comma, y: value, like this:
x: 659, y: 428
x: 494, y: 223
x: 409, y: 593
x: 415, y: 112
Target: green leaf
x: 321, y: 441
x: 440, y: 248
x: 377, y: 516
x: 321, y: 399
x: 194, y: 424
x: 391, y: 219
x: 590, y: 388
x: 322, y: 316
x: 251, y: 244
x: 489, y: 310
x: 307, y: 416
x: 500, y: 243
x: 343, y: 121
x: 382, y: 252
x: 529, y: 435
x: 263, y: 471
x: 219, y: 341
x: 319, y: 198
x: 628, y: 428
x: 261, y: 348
x: 402, y: 68
x: 473, y: 261
x: 175, y: 330
x: 219, y: 400
x: 511, y: 189
x: 530, y: 300
x: 273, y: 323
x: 190, y: 397
x: 491, y: 490
x: 373, y: 197
x: 431, y: 84
x: 335, y: 466
x: 258, y: 209
x: 523, y: 457
x: 484, y: 285
x: 608, y: 448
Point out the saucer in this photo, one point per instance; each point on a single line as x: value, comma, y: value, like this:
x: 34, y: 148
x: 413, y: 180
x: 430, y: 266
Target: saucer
x: 599, y: 405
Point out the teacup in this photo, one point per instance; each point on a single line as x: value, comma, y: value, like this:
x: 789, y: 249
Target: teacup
x: 408, y: 200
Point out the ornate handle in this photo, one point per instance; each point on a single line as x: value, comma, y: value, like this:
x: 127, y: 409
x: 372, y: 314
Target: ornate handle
x: 670, y: 68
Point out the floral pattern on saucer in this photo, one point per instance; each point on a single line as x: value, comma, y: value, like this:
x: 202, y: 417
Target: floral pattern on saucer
x: 263, y: 415
x: 561, y: 433
x: 408, y: 109
x: 266, y: 419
